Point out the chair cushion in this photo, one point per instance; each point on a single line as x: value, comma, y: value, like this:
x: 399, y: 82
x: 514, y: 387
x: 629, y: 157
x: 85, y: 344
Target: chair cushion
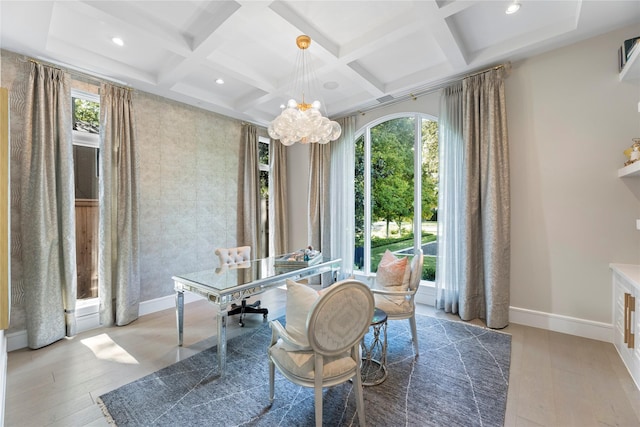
x: 392, y: 308
x: 300, y: 299
x: 393, y: 275
x: 301, y: 363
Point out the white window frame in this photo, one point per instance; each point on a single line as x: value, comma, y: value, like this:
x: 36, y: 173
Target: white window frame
x: 84, y: 138
x: 270, y: 214
x: 87, y: 310
x: 365, y: 132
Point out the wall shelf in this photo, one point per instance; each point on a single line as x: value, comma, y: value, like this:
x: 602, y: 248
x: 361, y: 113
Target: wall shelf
x: 631, y: 70
x: 632, y: 170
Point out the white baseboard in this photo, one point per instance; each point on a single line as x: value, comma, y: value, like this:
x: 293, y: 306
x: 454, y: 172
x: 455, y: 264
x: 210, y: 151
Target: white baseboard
x: 3, y: 375
x: 426, y: 295
x: 87, y: 322
x: 538, y: 319
x: 163, y: 303
x: 564, y: 324
x: 17, y: 340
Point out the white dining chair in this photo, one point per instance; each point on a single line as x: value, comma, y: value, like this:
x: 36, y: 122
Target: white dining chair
x: 400, y: 304
x: 338, y: 320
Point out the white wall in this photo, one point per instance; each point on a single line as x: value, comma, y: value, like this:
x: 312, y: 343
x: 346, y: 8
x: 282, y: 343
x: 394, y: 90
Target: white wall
x: 569, y: 119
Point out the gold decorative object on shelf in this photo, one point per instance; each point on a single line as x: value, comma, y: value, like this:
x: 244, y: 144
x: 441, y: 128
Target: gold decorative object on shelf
x: 633, y: 152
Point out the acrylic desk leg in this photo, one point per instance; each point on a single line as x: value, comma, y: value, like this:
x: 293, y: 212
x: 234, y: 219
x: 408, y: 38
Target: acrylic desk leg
x: 222, y: 340
x: 180, y: 314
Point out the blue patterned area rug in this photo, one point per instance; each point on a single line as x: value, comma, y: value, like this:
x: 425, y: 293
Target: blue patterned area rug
x: 461, y: 378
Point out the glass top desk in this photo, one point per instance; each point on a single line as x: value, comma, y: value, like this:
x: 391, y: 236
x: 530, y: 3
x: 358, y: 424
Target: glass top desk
x: 226, y: 285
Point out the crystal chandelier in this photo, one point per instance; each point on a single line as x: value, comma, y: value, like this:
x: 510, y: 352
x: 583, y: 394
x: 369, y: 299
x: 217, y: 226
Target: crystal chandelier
x: 302, y: 122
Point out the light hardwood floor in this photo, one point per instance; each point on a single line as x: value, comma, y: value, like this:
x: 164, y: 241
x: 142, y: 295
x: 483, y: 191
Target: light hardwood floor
x: 555, y: 379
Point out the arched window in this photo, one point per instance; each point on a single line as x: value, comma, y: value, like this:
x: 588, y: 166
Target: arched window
x: 396, y: 190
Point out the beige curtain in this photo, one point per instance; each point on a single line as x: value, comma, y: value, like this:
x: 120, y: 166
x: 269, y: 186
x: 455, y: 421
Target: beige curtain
x: 319, y: 208
x: 318, y: 234
x: 118, y: 258
x: 484, y: 290
x: 249, y: 192
x: 48, y: 208
x: 279, y: 221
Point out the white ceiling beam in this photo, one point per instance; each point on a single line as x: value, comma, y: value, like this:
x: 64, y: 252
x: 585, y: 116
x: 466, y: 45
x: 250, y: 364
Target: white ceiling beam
x: 450, y: 44
x: 293, y: 18
x: 206, y: 27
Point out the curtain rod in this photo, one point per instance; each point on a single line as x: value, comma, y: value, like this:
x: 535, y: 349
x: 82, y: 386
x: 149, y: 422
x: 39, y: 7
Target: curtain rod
x: 81, y: 73
x: 506, y: 66
x: 430, y: 89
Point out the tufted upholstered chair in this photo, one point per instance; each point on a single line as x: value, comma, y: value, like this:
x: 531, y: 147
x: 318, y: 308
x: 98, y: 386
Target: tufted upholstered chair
x: 338, y: 320
x: 406, y: 309
x: 234, y: 256
x: 239, y: 257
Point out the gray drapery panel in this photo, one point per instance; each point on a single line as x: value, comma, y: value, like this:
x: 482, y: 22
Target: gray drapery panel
x: 318, y: 234
x: 473, y: 269
x: 484, y: 290
x: 279, y: 221
x: 48, y: 208
x: 342, y: 194
x: 451, y: 200
x: 249, y: 192
x: 118, y: 224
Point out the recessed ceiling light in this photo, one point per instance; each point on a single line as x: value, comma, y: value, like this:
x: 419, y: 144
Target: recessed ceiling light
x: 513, y: 8
x: 118, y: 41
x: 330, y: 85
x: 219, y: 81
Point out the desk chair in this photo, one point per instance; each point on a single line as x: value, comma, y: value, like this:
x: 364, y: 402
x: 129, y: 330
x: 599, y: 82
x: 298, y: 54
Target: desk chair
x: 240, y: 258
x: 338, y: 320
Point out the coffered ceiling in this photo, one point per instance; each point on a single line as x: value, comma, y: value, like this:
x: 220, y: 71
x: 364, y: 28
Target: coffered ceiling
x: 363, y: 52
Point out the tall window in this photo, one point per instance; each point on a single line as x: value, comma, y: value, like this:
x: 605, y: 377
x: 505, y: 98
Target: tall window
x: 396, y: 193
x: 265, y: 174
x: 86, y: 117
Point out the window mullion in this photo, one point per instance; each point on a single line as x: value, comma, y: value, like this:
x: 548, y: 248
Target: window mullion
x: 367, y: 201
x: 417, y: 183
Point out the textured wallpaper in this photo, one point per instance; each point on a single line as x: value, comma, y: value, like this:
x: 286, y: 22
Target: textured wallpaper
x: 189, y: 175
x: 13, y: 75
x: 188, y: 194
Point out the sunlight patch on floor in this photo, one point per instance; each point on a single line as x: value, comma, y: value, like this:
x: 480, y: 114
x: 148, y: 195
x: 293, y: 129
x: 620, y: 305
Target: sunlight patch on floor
x: 105, y: 348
